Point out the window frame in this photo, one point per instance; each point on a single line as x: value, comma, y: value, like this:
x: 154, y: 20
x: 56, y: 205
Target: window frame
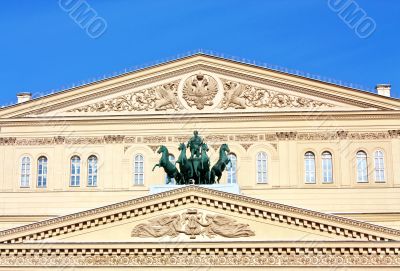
x: 262, y: 168
x: 365, y: 174
x: 381, y: 169
x: 92, y: 174
x: 229, y: 166
x: 173, y: 182
x: 75, y: 176
x: 25, y: 171
x: 327, y: 169
x: 307, y: 168
x: 137, y: 165
x: 42, y: 174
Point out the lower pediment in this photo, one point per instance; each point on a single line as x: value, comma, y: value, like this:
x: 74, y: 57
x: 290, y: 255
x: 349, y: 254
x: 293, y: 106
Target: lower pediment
x: 196, y: 213
x: 190, y: 223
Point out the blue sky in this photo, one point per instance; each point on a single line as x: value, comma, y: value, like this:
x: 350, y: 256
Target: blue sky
x: 42, y: 48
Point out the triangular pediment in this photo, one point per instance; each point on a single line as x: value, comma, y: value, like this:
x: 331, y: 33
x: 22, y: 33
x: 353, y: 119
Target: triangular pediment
x: 194, y: 213
x: 200, y: 84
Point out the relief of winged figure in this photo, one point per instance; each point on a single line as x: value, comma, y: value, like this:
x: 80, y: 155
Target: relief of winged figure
x: 200, y: 91
x: 166, y: 97
x: 233, y: 96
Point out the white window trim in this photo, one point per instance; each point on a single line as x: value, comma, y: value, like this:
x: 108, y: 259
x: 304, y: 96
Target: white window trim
x: 24, y: 174
x: 42, y: 175
x: 366, y: 168
x: 92, y: 175
x: 382, y: 169
x: 266, y: 168
x: 326, y: 171
x: 306, y: 181
x: 75, y: 175
x: 136, y: 174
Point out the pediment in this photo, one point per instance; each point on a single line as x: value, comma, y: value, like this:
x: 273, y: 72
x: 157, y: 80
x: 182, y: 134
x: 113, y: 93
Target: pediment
x: 192, y: 214
x: 200, y: 84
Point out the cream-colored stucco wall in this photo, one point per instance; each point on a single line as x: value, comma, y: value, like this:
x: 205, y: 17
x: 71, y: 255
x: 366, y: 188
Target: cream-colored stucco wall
x: 285, y: 164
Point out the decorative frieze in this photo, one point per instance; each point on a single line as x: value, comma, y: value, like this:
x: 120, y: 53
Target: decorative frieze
x: 192, y: 223
x: 286, y: 135
x: 110, y: 139
x: 318, y: 257
x: 247, y: 137
x: 268, y: 137
x: 394, y: 133
x: 159, y: 98
x: 154, y: 139
x: 241, y: 96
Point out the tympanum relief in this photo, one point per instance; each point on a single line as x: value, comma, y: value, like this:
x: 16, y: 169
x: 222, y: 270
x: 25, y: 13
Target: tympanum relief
x: 192, y: 223
x: 200, y: 90
x: 158, y: 98
x: 241, y: 96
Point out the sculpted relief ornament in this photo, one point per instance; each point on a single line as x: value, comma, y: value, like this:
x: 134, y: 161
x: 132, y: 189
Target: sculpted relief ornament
x: 192, y: 223
x: 200, y: 90
x: 241, y: 96
x: 157, y: 98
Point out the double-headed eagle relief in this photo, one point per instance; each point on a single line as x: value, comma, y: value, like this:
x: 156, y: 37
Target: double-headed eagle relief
x: 196, y: 168
x: 200, y: 90
x: 192, y: 223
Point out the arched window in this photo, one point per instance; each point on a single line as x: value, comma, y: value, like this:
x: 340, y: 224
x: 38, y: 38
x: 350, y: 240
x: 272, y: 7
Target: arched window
x: 262, y: 167
x: 92, y: 171
x: 362, y: 167
x: 172, y: 160
x: 25, y: 171
x: 379, y: 166
x: 42, y: 172
x: 75, y: 176
x: 309, y: 167
x: 327, y: 168
x: 232, y: 168
x: 138, y: 171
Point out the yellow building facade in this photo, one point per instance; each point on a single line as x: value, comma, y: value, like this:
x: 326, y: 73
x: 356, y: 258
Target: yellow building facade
x: 314, y: 181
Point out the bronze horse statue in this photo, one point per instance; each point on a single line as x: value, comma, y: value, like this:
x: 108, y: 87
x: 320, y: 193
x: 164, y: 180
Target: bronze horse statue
x: 205, y: 164
x: 185, y: 166
x: 169, y: 168
x: 219, y: 167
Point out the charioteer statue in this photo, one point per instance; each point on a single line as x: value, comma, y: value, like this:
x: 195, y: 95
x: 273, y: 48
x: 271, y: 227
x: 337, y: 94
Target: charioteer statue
x: 194, y: 144
x: 196, y: 169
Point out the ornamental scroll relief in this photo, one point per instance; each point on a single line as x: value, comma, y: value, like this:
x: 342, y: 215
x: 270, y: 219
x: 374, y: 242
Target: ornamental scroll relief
x: 158, y: 98
x: 241, y: 96
x: 192, y: 223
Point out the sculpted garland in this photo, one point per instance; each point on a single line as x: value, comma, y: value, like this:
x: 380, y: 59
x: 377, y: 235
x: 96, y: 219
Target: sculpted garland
x: 158, y: 98
x: 241, y: 96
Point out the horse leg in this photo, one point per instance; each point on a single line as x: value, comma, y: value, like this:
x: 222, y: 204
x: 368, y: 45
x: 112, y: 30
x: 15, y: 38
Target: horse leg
x: 219, y: 177
x: 156, y: 165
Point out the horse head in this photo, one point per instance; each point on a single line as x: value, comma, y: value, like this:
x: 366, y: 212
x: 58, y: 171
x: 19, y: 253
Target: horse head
x: 162, y: 149
x: 224, y: 148
x: 182, y: 146
x: 204, y: 147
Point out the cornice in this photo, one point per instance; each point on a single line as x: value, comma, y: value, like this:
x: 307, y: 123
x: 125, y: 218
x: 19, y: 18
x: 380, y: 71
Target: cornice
x: 270, y: 211
x: 241, y: 138
x: 201, y: 117
x: 256, y: 254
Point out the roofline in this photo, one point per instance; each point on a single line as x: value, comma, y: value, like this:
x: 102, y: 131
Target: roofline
x: 205, y: 54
